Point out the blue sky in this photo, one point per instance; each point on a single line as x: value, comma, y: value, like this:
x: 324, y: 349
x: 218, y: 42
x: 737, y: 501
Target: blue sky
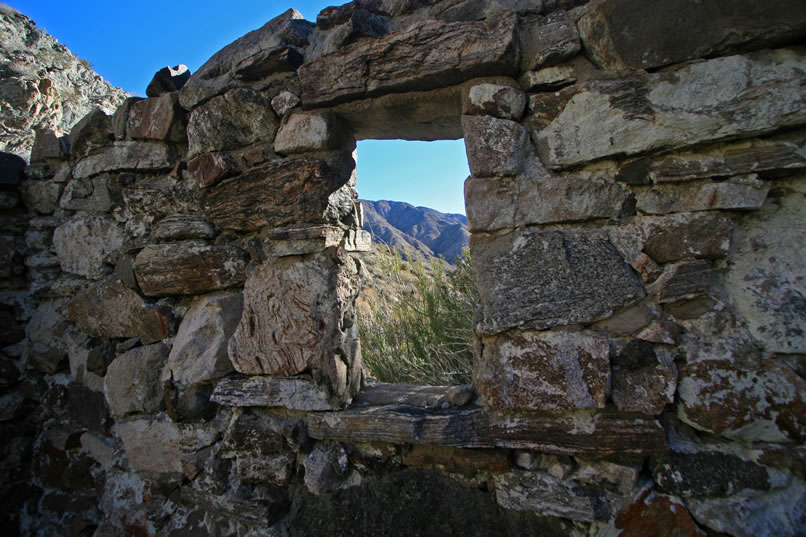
x: 127, y: 42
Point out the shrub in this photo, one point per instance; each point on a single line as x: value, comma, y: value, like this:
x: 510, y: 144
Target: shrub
x: 422, y: 331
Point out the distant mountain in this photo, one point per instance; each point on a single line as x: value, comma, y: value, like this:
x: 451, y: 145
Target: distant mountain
x: 404, y: 226
x: 43, y: 85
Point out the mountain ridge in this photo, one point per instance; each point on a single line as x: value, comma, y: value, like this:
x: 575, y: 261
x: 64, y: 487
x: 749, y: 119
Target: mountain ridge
x: 403, y: 226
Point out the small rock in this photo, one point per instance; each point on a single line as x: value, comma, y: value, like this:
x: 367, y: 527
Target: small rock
x: 548, y: 78
x: 660, y: 516
x: 743, y: 192
x: 128, y: 155
x: 326, y: 468
x: 132, y: 380
x: 544, y: 494
x: 46, y: 146
x: 208, y: 169
x: 704, y: 236
x: 495, y: 147
x: 157, y: 118
x: 151, y: 446
x: 121, y: 117
x: 182, y: 227
x: 284, y: 102
x: 504, y: 102
x: 548, y: 41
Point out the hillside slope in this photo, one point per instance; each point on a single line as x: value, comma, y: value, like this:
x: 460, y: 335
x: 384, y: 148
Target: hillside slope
x: 43, y: 85
x: 418, y: 229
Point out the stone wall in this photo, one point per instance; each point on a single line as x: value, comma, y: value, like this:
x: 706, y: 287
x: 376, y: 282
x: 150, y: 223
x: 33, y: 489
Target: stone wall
x: 182, y: 357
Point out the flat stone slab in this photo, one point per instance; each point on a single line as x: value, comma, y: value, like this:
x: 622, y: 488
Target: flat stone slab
x: 296, y: 393
x: 540, y: 279
x: 582, y: 433
x: 422, y: 56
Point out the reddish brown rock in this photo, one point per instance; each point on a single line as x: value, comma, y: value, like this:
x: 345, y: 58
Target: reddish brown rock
x: 210, y: 168
x: 743, y: 192
x: 293, y: 319
x: 188, y: 268
x: 657, y: 516
x: 110, y: 309
x: 544, y: 371
x: 280, y: 193
x: 420, y: 57
x: 157, y: 118
x: 767, y: 404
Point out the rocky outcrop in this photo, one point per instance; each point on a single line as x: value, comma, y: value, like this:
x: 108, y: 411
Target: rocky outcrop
x: 44, y: 85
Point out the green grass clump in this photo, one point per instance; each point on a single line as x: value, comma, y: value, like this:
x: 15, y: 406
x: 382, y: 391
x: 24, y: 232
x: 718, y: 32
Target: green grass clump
x: 422, y: 331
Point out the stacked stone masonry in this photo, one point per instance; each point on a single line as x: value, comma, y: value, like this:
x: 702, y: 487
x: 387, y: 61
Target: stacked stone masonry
x: 180, y: 354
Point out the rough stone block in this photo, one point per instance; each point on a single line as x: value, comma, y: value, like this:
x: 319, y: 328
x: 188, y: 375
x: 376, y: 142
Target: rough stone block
x: 766, y: 278
x: 93, y: 132
x: 302, y: 241
x: 544, y: 371
x: 689, y: 31
x: 548, y: 40
x: 269, y: 49
x: 86, y: 244
x: 504, y: 102
x: 726, y: 160
x: 210, y: 168
x: 418, y: 57
x: 152, y: 446
x: 663, y: 516
x: 46, y: 146
x: 188, y: 268
x: 763, y: 405
x: 548, y: 78
x: 293, y: 321
x: 236, y: 119
x: 539, y: 197
x: 132, y: 381
x: 707, y: 473
x: 705, y: 236
x: 110, y: 309
x: 702, y: 102
x: 283, y: 102
x: 42, y: 196
x: 644, y: 379
x: 157, y: 118
x: 295, y: 393
x: 495, y: 147
x: 326, y: 468
x: 744, y: 192
x: 97, y: 194
x: 540, y: 279
x: 685, y: 280
x: 282, y: 193
x: 549, y: 496
x: 129, y: 155
x: 310, y: 131
x: 182, y: 227
x: 199, y: 351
